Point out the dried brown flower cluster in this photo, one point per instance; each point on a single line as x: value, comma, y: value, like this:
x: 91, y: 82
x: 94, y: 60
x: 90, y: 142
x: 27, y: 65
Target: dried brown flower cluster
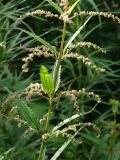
x: 10, y: 98
x: 37, y: 51
x: 85, y: 44
x: 45, y: 52
x: 103, y: 14
x: 66, y: 132
x: 36, y: 89
x: 63, y: 4
x: 86, y: 61
x: 74, y: 94
x: 32, y: 90
x: 28, y: 131
x: 65, y: 17
x: 2, y: 45
x: 37, y: 12
x: 20, y: 121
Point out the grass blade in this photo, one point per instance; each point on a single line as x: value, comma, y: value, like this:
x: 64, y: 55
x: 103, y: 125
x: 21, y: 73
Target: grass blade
x: 73, y: 6
x: 27, y: 114
x: 55, y: 6
x: 96, y: 8
x: 73, y: 118
x: 39, y: 39
x: 61, y: 149
x: 76, y: 34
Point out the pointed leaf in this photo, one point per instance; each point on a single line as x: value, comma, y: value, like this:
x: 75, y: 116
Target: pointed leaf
x: 73, y: 6
x: 46, y: 80
x: 27, y: 114
x: 76, y: 34
x: 39, y: 39
x: 60, y: 150
x: 67, y: 120
x: 55, y: 6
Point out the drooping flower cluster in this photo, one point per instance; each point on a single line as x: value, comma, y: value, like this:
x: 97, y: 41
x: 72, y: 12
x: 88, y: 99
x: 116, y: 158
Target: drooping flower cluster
x: 66, y: 132
x: 37, y: 51
x: 37, y: 12
x: 85, y: 44
x: 45, y: 52
x: 92, y: 13
x: 85, y: 60
x: 63, y: 4
x: 32, y: 90
x: 65, y: 16
x: 73, y: 95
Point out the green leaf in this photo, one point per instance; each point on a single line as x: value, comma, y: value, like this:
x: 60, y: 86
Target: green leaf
x: 27, y: 114
x: 39, y: 39
x: 55, y: 6
x: 76, y: 34
x: 60, y: 150
x: 46, y: 80
x: 91, y: 138
x: 73, y: 6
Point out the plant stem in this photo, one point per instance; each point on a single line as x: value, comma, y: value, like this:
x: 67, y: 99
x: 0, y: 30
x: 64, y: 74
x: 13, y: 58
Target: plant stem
x: 49, y: 112
x: 58, y: 61
x: 63, y: 37
x: 61, y: 48
x: 64, y: 30
x: 42, y: 147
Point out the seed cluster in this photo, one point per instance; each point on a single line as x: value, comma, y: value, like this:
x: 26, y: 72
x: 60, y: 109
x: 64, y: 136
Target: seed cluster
x: 65, y: 17
x: 74, y: 94
x: 32, y: 90
x: 20, y: 121
x: 63, y: 4
x: 85, y: 44
x: 37, y: 51
x: 10, y: 98
x: 92, y: 13
x: 37, y: 12
x: 28, y: 131
x: 66, y: 132
x: 86, y: 61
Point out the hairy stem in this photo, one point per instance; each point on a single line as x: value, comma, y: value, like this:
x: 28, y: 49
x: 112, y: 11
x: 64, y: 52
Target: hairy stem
x: 42, y: 147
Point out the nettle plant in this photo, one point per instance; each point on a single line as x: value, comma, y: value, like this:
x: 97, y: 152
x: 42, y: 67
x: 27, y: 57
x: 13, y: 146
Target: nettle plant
x: 50, y: 82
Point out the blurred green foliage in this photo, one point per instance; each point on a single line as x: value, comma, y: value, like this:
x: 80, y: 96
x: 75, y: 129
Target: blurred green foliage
x: 14, y: 145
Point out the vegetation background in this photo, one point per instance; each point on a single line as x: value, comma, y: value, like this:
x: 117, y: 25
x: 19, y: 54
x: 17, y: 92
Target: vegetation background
x: 14, y: 145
